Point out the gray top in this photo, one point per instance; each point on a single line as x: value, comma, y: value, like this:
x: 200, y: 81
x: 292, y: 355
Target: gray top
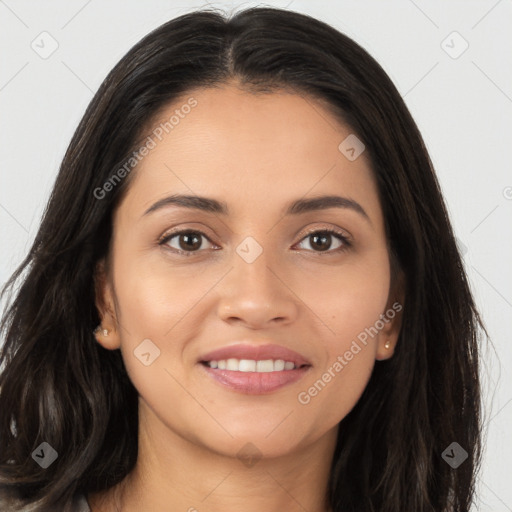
x: 80, y: 504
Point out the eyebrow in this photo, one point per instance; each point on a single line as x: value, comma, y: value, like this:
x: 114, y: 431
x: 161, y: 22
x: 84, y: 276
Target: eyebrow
x: 296, y: 207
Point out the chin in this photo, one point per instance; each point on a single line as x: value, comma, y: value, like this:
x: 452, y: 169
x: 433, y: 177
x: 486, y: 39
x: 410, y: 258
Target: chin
x: 251, y: 442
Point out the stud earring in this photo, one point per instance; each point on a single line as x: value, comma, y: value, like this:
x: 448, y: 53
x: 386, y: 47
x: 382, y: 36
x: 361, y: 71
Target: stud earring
x: 105, y: 332
x: 387, y: 344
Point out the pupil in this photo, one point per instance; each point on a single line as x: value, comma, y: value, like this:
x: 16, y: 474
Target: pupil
x: 323, y: 238
x: 188, y: 244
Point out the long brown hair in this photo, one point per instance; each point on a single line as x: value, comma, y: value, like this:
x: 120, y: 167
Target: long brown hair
x: 59, y: 386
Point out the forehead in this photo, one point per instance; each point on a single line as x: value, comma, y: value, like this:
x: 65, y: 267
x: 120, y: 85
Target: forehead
x: 265, y: 148
x: 230, y: 122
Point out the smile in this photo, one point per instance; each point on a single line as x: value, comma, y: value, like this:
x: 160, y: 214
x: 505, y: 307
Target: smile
x: 254, y: 369
x: 250, y: 365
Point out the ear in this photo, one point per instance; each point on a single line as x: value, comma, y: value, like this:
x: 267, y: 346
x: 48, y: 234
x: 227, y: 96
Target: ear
x: 107, y: 333
x: 392, y: 320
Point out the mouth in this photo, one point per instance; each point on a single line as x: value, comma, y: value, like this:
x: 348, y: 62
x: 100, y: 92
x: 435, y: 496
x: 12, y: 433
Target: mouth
x: 253, y: 369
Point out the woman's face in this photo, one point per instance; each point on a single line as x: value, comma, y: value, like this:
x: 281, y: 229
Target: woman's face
x: 249, y: 277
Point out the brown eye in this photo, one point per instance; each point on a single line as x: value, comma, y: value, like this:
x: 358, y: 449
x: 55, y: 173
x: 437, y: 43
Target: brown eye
x: 322, y: 240
x: 187, y: 241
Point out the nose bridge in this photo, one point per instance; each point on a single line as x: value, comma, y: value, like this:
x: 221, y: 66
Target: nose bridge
x: 253, y: 269
x: 255, y: 293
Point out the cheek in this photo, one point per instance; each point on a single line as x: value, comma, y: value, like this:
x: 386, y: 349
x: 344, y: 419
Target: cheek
x: 350, y: 306
x: 339, y: 380
x: 166, y: 304
x: 146, y: 307
x: 349, y: 298
x: 336, y: 388
x: 157, y: 304
x: 153, y: 296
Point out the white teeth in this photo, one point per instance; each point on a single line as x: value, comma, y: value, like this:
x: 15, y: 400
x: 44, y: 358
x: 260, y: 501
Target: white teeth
x: 232, y: 364
x: 249, y: 365
x: 246, y: 365
x: 279, y: 365
x: 265, y: 366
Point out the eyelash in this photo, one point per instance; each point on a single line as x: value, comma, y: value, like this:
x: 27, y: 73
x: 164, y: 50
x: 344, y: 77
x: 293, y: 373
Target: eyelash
x: 169, y: 236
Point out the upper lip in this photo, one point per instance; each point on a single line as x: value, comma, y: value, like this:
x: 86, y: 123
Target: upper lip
x: 256, y: 353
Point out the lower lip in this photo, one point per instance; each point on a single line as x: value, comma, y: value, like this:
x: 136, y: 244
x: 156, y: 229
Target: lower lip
x: 255, y: 383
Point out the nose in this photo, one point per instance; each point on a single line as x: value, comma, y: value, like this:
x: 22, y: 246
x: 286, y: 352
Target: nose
x: 257, y: 295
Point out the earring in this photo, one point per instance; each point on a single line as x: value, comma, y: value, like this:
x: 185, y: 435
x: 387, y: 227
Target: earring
x: 105, y: 332
x: 387, y: 344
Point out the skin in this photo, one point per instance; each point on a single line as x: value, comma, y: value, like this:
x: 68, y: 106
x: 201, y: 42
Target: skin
x: 256, y: 153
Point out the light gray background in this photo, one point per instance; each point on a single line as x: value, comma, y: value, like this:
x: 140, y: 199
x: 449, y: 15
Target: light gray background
x: 462, y: 105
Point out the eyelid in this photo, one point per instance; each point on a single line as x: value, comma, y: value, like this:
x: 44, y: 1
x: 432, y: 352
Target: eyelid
x: 329, y: 229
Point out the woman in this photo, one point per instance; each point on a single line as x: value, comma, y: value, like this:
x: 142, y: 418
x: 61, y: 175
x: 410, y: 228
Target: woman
x: 245, y: 292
